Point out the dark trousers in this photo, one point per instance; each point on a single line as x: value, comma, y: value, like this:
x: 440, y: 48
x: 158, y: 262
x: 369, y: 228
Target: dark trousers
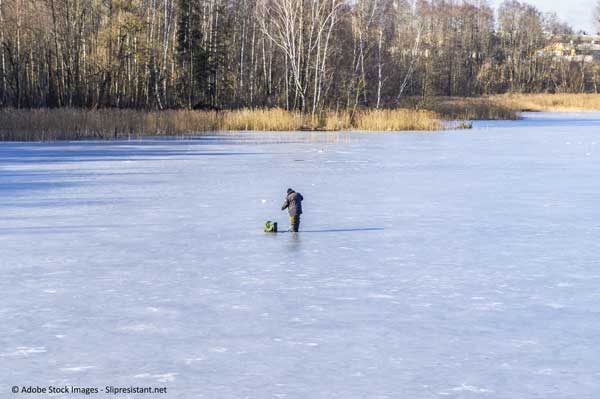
x: 295, y: 223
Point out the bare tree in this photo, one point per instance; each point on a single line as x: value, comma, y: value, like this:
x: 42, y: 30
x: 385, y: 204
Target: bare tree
x: 597, y: 17
x: 302, y: 30
x: 308, y: 55
x: 4, y: 94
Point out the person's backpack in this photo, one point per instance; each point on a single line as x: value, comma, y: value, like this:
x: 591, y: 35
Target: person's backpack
x: 270, y: 227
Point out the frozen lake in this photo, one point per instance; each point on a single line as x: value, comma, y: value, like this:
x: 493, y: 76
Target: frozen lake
x: 452, y: 265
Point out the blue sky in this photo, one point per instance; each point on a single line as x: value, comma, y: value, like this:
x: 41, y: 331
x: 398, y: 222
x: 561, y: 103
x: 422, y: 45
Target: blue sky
x: 578, y: 13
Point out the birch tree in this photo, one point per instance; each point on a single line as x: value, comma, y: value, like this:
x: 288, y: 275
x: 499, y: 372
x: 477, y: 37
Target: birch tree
x: 302, y: 30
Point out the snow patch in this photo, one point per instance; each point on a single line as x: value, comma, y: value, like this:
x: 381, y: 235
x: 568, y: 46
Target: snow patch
x: 465, y: 388
x: 24, y: 351
x: 545, y: 372
x: 76, y: 369
x: 192, y: 360
x: 139, y: 328
x: 168, y: 377
x: 219, y: 349
x: 380, y: 296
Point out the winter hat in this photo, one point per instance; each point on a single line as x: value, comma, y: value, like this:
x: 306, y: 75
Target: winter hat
x: 289, y: 191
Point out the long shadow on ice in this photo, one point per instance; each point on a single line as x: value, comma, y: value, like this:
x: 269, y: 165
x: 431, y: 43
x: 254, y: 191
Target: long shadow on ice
x: 55, y: 229
x: 44, y: 153
x: 38, y: 185
x: 45, y: 157
x: 343, y: 230
x: 61, y: 202
x: 69, y: 173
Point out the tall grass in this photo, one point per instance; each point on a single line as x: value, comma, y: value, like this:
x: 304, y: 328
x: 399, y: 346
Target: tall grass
x: 474, y: 109
x: 549, y: 102
x: 73, y: 124
x: 416, y: 114
x: 397, y: 120
x: 463, y: 108
x: 275, y: 119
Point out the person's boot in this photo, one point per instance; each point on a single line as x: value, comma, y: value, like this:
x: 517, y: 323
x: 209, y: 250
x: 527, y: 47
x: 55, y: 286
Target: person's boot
x: 293, y: 223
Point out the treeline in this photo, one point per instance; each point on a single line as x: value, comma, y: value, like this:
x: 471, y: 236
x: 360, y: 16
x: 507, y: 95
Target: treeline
x: 296, y: 54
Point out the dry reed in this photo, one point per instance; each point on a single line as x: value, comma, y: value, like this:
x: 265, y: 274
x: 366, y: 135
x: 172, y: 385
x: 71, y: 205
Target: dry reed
x: 417, y: 114
x: 549, y: 102
x: 397, y: 120
x: 462, y: 108
x: 74, y: 124
x: 275, y: 119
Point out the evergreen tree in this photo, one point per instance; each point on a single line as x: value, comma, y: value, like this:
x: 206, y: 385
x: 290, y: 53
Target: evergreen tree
x: 191, y: 55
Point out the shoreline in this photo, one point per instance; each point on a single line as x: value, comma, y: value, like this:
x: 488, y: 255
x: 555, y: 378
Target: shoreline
x: 415, y: 114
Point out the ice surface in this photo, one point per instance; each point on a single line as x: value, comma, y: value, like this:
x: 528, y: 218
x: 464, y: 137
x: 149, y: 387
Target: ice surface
x: 453, y: 265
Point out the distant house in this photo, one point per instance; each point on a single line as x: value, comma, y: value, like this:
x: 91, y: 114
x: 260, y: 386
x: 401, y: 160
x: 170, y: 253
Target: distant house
x: 578, y: 48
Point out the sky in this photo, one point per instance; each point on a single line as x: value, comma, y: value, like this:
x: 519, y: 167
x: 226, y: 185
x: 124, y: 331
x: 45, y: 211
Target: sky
x: 578, y: 13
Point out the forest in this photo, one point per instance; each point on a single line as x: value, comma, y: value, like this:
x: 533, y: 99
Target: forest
x: 301, y: 55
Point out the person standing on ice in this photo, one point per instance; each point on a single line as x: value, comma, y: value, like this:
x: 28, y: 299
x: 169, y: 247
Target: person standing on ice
x: 293, y: 203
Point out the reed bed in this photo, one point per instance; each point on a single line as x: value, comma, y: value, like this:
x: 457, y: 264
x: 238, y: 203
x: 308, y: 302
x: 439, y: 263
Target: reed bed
x: 549, y: 102
x: 474, y: 109
x: 398, y: 120
x: 332, y: 121
x: 463, y: 108
x: 415, y: 114
x: 74, y: 124
x: 275, y: 119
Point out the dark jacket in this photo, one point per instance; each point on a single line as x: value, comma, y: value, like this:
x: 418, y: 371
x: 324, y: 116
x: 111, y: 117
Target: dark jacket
x: 293, y: 203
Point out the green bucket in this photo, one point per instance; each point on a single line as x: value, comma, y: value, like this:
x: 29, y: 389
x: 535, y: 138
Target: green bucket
x: 270, y: 227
